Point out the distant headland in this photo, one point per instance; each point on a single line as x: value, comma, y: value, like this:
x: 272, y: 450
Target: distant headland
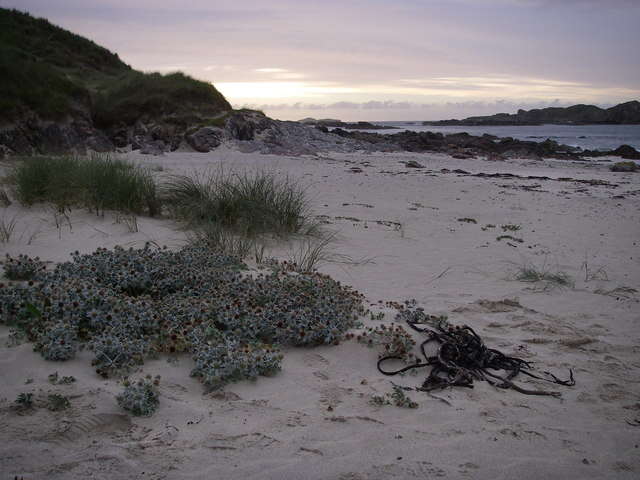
x: 623, y: 114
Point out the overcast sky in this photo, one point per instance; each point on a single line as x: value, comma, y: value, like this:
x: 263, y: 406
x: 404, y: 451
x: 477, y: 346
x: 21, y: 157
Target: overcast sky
x: 375, y: 59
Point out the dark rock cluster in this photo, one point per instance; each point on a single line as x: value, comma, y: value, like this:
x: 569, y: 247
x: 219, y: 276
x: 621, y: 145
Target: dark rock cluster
x: 463, y: 145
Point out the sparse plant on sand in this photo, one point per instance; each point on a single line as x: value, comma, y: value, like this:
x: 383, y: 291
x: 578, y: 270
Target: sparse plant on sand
x: 467, y: 220
x: 397, y: 397
x: 140, y: 398
x: 55, y: 379
x: 543, y: 276
x: 129, y: 221
x: 24, y: 400
x: 593, y: 272
x: 510, y: 227
x: 57, y: 402
x: 7, y: 226
x: 311, y: 252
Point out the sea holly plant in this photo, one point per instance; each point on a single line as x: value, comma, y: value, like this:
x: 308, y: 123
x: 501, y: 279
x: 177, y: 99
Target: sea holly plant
x: 141, y: 398
x: 397, y: 397
x: 129, y: 305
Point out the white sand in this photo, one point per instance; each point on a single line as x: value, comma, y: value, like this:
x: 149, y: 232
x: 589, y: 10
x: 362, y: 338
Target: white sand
x: 282, y: 427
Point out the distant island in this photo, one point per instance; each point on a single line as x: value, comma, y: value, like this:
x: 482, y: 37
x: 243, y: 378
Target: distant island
x: 333, y: 123
x: 627, y: 113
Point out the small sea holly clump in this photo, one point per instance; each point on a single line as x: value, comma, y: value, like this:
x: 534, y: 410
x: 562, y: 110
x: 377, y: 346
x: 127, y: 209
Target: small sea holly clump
x: 393, y: 340
x: 140, y: 398
x: 59, y: 343
x: 23, y: 267
x: 412, y: 314
x: 397, y: 397
x: 400, y: 399
x: 24, y: 400
x: 230, y: 360
x: 56, y: 402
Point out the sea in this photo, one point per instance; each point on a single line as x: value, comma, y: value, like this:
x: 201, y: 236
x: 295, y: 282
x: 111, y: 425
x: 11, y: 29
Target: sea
x: 591, y: 137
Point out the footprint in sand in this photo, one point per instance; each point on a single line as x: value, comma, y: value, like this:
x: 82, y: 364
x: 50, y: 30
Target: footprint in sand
x: 239, y: 442
x: 321, y: 375
x: 90, y: 425
x: 332, y: 395
x: 315, y: 360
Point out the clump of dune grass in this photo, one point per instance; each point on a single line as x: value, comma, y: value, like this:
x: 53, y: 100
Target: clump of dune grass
x: 218, y: 238
x: 543, y: 276
x: 7, y: 226
x: 311, y: 252
x: 250, y: 204
x: 98, y: 182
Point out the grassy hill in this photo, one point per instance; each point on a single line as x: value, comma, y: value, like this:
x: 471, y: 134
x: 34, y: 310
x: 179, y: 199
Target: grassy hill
x: 55, y: 74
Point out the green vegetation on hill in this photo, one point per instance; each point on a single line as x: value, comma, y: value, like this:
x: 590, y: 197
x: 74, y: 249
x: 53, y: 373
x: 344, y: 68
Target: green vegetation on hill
x: 48, y: 70
x: 54, y: 73
x: 155, y: 95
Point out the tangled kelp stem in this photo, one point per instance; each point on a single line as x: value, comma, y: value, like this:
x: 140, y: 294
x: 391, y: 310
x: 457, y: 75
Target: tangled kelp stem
x: 462, y: 357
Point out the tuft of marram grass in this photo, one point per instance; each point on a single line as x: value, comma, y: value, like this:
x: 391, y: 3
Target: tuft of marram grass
x: 251, y: 204
x: 217, y: 238
x: 7, y: 226
x: 531, y: 274
x: 98, y: 182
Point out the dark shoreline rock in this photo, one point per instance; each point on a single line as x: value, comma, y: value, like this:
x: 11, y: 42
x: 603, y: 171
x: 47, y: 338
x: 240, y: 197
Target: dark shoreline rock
x: 463, y: 145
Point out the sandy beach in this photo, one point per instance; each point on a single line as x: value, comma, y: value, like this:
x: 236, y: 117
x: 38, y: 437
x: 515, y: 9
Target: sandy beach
x: 409, y: 233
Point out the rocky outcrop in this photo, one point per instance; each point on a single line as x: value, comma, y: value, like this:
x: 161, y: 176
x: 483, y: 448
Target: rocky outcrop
x: 463, y: 145
x: 624, y: 167
x: 624, y: 151
x: 624, y: 113
x: 30, y: 135
x: 627, y: 151
x: 205, y: 139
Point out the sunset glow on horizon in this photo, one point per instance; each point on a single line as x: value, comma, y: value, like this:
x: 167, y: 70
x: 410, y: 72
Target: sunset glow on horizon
x: 373, y: 59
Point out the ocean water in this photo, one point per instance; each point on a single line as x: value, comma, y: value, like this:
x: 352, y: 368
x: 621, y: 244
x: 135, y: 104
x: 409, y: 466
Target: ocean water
x: 592, y: 137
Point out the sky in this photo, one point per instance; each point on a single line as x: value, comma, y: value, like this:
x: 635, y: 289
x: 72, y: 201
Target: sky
x: 375, y: 59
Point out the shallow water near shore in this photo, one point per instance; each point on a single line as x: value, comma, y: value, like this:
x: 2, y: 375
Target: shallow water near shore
x: 591, y: 137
